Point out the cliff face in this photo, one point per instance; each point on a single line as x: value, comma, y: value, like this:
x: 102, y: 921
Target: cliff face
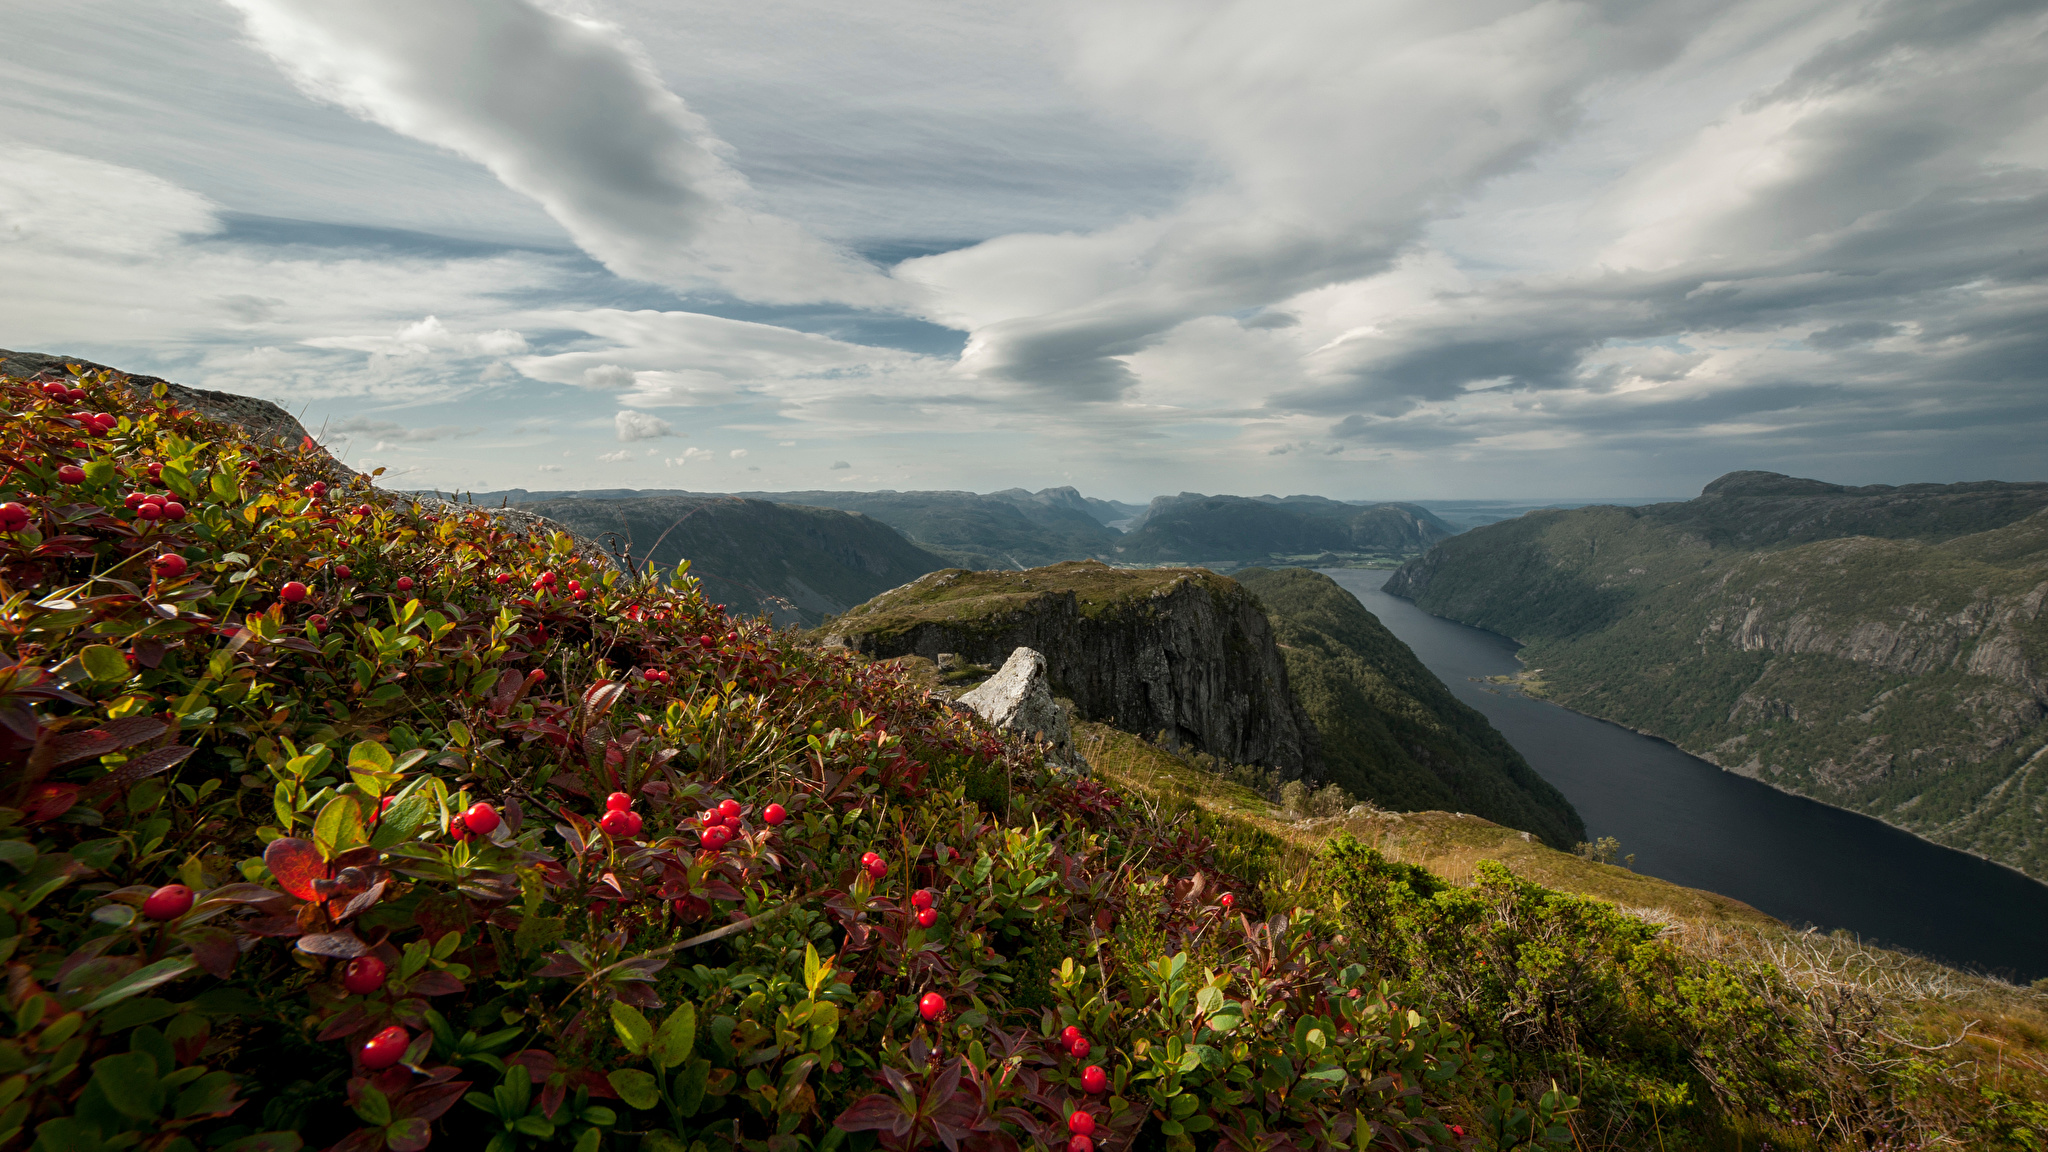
x: 1183, y: 651
x: 1883, y: 649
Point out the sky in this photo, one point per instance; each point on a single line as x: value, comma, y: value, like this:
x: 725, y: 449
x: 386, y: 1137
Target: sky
x: 1369, y: 249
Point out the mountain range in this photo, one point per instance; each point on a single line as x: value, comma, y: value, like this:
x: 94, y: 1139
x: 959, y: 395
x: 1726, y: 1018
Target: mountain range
x: 1879, y: 648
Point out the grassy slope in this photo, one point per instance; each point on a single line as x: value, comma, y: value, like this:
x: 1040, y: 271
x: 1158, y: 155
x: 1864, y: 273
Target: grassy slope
x: 2007, y: 1026
x: 802, y: 564
x: 1220, y: 528
x: 960, y: 596
x: 1639, y: 618
x: 1391, y: 731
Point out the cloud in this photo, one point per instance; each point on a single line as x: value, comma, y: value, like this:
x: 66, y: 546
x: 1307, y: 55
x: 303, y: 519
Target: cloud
x: 549, y: 468
x: 839, y: 464
x: 641, y: 426
x: 689, y: 455
x: 391, y: 431
x: 737, y: 453
x: 570, y: 112
x: 619, y: 457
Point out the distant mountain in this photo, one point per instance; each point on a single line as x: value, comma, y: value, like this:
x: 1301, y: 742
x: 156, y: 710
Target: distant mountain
x: 1196, y: 529
x: 1391, y: 731
x: 1008, y: 529
x: 1880, y: 648
x: 756, y: 557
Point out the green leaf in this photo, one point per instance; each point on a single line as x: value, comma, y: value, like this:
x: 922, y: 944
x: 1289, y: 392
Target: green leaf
x: 634, y: 1030
x: 104, y: 663
x: 99, y: 473
x: 373, y: 1106
x: 65, y: 1134
x: 677, y: 1037
x: 142, y: 980
x: 689, y: 1086
x: 369, y: 756
x: 588, y: 1141
x: 339, y: 827
x: 813, y: 967
x: 535, y: 1125
x: 636, y: 1088
x: 209, y: 1095
x: 129, y: 1082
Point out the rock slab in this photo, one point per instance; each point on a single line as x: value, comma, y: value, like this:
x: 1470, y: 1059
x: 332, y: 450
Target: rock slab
x: 1018, y: 699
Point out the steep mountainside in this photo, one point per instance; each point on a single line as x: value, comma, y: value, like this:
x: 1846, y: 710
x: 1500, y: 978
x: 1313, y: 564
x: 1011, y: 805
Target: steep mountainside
x: 798, y: 564
x: 1879, y: 648
x: 1391, y: 731
x: 1191, y: 527
x: 1180, y: 651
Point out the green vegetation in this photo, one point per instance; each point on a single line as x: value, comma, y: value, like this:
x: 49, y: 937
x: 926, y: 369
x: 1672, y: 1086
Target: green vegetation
x: 973, y: 531
x: 960, y: 599
x: 1192, y: 528
x: 797, y: 563
x: 1391, y: 732
x: 1875, y: 649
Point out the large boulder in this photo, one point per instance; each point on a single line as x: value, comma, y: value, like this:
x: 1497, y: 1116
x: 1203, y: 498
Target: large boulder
x: 1018, y: 699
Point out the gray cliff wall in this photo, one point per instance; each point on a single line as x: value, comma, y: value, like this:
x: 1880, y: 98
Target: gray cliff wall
x: 1185, y: 652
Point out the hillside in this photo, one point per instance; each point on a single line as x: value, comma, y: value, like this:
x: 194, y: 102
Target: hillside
x: 1183, y: 652
x: 335, y: 818
x: 1009, y: 529
x: 1878, y: 648
x: 1192, y: 528
x: 795, y: 563
x: 1391, y: 732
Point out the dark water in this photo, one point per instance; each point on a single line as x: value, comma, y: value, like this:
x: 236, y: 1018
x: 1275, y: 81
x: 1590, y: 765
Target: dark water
x: 1694, y: 824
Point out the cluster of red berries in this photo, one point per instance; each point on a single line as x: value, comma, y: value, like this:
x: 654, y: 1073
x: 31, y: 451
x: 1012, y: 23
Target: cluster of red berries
x: 480, y: 820
x: 317, y: 488
x: 97, y: 423
x: 721, y: 824
x: 926, y: 914
x: 13, y: 517
x: 874, y: 864
x: 1082, y: 1125
x: 152, y: 506
x: 1075, y: 1043
x: 57, y: 390
x: 657, y: 675
x: 619, y: 820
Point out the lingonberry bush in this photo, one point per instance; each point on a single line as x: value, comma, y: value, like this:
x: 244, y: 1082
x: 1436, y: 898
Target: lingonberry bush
x: 339, y: 819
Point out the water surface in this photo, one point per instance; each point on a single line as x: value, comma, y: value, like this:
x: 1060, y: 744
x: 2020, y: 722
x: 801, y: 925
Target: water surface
x: 1691, y: 823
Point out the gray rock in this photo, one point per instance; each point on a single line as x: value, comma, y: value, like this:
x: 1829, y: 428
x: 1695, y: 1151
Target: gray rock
x: 1018, y: 699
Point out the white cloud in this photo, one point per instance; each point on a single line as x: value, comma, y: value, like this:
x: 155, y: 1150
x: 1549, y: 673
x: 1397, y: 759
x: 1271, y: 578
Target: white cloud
x: 641, y: 426
x: 737, y: 453
x: 567, y: 110
x: 689, y: 455
x: 549, y: 468
x: 619, y: 457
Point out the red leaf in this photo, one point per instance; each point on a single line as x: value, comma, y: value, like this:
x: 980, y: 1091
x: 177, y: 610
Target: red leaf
x: 429, y: 1101
x: 214, y: 948
x: 51, y: 801
x: 434, y: 983
x: 146, y: 765
x: 361, y: 1140
x: 296, y: 864
x: 875, y: 1112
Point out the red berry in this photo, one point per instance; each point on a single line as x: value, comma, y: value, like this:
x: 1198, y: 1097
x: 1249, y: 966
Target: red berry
x: 1228, y: 900
x: 133, y: 501
x: 173, y: 510
x: 616, y: 822
x: 774, y: 814
x: 504, y: 578
x: 364, y: 975
x: 481, y: 818
x: 71, y: 474
x: 547, y: 578
x: 168, y: 902
x: 1068, y: 1035
x: 405, y: 583
x: 706, y: 642
x: 360, y: 510
x: 55, y: 389
x: 1094, y: 1079
x: 728, y: 809
x: 170, y: 565
x: 293, y: 592
x: 13, y: 517
x: 1081, y: 1123
x: 317, y: 488
x: 149, y: 511
x: 458, y: 829
x: 341, y: 571
x: 931, y: 1006
x: 926, y: 917
x: 579, y: 594
x: 1458, y: 1129
x: 1079, y: 1048
x: 1079, y: 1143
x: 385, y: 1048
x: 618, y: 801
x: 156, y: 471
x: 716, y: 836
x: 922, y: 898
x: 636, y: 825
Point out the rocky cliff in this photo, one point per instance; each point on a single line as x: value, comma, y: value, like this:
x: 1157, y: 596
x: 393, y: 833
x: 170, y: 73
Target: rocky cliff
x: 1884, y: 649
x: 1179, y: 650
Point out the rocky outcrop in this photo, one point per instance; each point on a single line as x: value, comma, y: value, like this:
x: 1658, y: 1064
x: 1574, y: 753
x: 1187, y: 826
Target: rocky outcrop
x: 1179, y: 651
x: 1017, y: 699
